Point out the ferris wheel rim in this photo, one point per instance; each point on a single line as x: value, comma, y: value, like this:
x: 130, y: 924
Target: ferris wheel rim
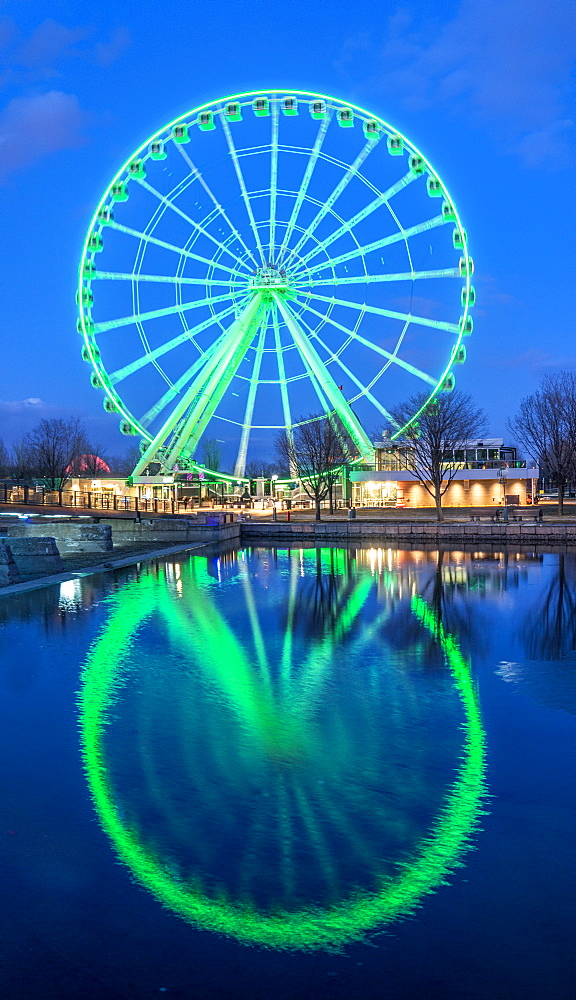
x: 114, y: 398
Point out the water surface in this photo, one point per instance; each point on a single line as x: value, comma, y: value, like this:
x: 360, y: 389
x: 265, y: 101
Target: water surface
x: 292, y: 774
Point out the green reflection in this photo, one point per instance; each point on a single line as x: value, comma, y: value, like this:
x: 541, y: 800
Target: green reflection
x: 271, y: 700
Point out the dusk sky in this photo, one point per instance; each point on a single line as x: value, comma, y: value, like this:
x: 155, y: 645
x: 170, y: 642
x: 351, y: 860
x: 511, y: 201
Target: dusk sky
x: 485, y: 88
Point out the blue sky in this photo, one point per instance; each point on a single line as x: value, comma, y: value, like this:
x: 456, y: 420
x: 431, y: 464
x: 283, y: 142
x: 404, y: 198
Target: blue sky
x: 485, y: 88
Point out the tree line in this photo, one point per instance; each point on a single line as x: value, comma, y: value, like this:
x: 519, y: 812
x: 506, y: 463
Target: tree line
x: 57, y: 449
x: 316, y: 448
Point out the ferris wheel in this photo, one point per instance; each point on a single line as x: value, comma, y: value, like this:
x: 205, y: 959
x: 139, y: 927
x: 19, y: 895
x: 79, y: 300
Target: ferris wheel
x: 266, y: 259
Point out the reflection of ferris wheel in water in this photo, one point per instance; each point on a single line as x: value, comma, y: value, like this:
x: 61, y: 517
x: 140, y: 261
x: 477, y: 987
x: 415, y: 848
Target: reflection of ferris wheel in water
x: 268, y: 256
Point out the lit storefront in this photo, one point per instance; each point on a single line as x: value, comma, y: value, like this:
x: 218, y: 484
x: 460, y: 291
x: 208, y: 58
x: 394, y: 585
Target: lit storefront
x: 488, y: 474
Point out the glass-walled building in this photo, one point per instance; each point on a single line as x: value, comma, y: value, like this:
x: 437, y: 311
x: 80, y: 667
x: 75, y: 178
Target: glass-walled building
x: 488, y: 473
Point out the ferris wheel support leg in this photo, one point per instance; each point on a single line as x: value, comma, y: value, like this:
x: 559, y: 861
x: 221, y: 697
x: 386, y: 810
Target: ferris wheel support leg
x: 240, y: 466
x: 178, y: 412
x: 327, y: 383
x: 239, y: 338
x: 196, y: 389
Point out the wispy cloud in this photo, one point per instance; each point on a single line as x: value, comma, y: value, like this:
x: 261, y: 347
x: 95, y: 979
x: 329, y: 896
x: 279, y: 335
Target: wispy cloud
x: 505, y: 63
x: 49, y: 44
x: 108, y: 52
x: 33, y: 403
x: 43, y: 53
x: 33, y: 127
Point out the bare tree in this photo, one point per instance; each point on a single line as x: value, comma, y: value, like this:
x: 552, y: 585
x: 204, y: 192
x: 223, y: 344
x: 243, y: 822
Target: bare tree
x: 315, y: 451
x: 124, y: 465
x: 258, y: 468
x: 211, y: 454
x: 4, y: 460
x: 444, y: 425
x: 546, y: 425
x: 55, y: 445
x: 22, y: 461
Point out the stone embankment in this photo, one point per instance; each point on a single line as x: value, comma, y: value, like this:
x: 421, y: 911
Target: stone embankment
x: 31, y: 550
x: 445, y: 533
x: 69, y: 536
x: 28, y: 557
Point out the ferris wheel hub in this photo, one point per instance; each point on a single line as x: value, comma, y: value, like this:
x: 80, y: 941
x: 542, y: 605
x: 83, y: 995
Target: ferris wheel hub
x: 271, y: 277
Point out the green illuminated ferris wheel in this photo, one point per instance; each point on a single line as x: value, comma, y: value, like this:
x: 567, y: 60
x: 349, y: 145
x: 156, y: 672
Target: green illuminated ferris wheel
x: 264, y: 258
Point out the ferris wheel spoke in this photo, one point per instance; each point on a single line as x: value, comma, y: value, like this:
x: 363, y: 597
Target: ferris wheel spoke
x: 316, y: 839
x: 313, y: 159
x: 158, y: 352
x: 403, y: 234
x: 175, y: 389
x: 242, y: 183
x: 273, y: 179
x: 434, y: 324
x: 194, y: 394
x: 115, y: 324
x: 195, y: 225
x: 364, y: 213
x: 222, y: 211
x: 146, y: 238
x: 365, y: 391
x: 333, y: 197
x: 281, y: 371
x: 202, y: 408
x: 370, y: 279
x: 325, y: 380
x: 374, y: 347
x: 240, y: 465
x: 255, y: 628
x: 167, y: 279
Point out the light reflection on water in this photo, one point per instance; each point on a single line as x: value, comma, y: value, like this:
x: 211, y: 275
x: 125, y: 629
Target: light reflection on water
x: 200, y: 772
x: 284, y: 746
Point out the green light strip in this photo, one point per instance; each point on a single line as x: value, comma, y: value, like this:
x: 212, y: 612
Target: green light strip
x: 220, y: 208
x: 364, y: 390
x: 330, y: 928
x: 145, y: 238
x: 379, y: 350
x: 281, y: 371
x: 404, y: 234
x: 382, y: 199
x: 240, y: 465
x: 212, y: 359
x: 195, y: 225
x: 115, y: 324
x: 240, y: 337
x: 368, y: 279
x: 273, y: 180
x: 210, y: 282
x: 241, y: 182
x: 434, y: 324
x: 313, y: 159
x: 175, y: 389
x: 349, y: 419
x: 158, y: 352
x: 332, y: 198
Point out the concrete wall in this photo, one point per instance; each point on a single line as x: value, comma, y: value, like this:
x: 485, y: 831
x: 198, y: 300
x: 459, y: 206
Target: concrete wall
x: 69, y: 536
x: 8, y: 571
x: 525, y: 532
x: 166, y: 531
x: 36, y: 555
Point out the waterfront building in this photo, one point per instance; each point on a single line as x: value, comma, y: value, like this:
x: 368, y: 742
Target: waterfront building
x: 488, y: 473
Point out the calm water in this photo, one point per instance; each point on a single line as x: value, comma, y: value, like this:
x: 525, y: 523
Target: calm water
x: 316, y: 773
